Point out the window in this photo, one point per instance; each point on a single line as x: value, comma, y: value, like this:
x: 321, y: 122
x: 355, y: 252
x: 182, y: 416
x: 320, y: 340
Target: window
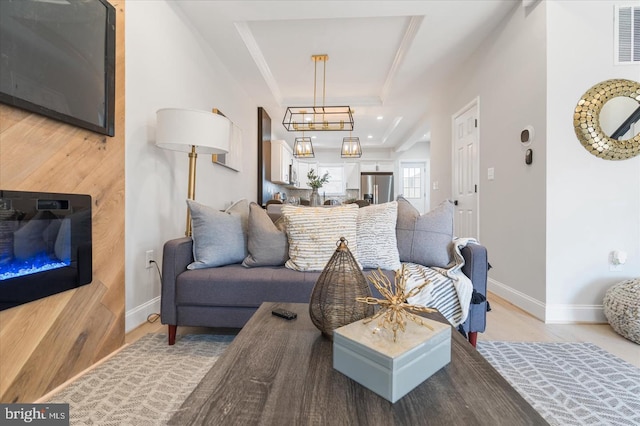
x: 412, y: 182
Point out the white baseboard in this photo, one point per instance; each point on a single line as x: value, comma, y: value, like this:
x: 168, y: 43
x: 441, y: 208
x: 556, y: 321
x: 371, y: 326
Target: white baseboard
x: 521, y: 300
x: 571, y: 314
x: 549, y: 313
x: 139, y: 314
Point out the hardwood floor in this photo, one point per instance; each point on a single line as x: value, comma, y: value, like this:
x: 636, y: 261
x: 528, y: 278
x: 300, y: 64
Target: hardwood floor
x: 505, y: 322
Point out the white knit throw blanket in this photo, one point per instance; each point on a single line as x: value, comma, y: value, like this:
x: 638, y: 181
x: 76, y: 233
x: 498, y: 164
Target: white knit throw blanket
x: 449, y: 290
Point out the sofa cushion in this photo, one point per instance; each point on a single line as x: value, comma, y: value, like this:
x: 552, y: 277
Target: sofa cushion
x: 425, y: 239
x: 219, y: 238
x: 267, y: 244
x: 237, y: 286
x: 376, y: 234
x: 314, y: 231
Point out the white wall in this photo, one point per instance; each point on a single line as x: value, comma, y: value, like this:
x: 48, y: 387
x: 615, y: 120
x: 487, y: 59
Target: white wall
x: 549, y: 227
x: 593, y: 205
x: 172, y: 69
x: 508, y: 75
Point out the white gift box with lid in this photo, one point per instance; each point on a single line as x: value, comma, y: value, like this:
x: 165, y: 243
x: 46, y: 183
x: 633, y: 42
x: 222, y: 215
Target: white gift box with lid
x: 391, y: 369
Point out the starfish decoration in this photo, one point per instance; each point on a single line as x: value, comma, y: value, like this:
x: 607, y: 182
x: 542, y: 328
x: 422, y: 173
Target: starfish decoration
x: 394, y: 309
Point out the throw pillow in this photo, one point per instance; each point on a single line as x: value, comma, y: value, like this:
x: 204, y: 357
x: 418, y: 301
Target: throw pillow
x: 267, y: 244
x: 425, y: 239
x: 314, y: 231
x: 376, y: 234
x: 241, y: 208
x: 218, y: 237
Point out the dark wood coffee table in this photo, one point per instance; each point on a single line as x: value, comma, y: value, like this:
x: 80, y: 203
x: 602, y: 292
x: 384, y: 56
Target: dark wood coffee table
x: 279, y: 372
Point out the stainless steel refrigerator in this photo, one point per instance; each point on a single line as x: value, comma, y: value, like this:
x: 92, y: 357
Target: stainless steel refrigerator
x: 376, y: 187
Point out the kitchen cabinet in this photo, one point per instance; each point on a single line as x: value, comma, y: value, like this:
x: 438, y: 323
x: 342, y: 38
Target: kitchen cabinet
x: 352, y: 175
x: 385, y: 166
x: 336, y: 184
x: 303, y: 169
x: 281, y: 156
x: 377, y: 166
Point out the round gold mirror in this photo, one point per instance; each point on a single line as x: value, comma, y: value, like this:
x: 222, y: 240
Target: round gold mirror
x: 603, y: 135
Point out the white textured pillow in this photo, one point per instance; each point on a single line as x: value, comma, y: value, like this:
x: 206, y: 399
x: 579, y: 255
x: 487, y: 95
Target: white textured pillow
x: 376, y: 234
x: 314, y: 231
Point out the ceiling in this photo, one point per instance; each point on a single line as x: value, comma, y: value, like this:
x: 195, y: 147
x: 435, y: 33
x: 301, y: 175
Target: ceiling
x: 384, y: 56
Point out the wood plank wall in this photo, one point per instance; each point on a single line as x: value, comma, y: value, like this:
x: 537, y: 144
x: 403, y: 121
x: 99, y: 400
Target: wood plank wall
x: 46, y: 342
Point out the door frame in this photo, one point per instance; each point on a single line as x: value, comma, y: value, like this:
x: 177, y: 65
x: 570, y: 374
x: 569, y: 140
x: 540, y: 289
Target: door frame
x: 426, y: 180
x: 475, y: 103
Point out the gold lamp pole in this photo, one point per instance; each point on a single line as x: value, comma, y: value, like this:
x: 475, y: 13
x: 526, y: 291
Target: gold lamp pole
x: 192, y: 131
x: 191, y: 188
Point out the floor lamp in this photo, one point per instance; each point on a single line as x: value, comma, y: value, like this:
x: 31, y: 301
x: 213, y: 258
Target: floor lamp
x: 192, y: 131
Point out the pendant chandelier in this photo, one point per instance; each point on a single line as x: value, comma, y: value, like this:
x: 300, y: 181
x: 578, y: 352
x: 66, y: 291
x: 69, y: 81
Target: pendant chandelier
x: 318, y: 118
x: 303, y: 148
x: 351, y: 147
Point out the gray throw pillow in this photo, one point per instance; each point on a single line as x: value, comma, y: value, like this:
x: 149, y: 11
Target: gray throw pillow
x: 267, y: 244
x: 241, y: 208
x: 425, y: 239
x: 218, y: 237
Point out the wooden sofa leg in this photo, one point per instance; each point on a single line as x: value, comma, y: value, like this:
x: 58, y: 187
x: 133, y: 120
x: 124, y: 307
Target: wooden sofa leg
x: 473, y: 338
x: 172, y: 334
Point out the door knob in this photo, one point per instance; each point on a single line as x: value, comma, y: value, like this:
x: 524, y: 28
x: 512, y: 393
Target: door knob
x: 455, y: 202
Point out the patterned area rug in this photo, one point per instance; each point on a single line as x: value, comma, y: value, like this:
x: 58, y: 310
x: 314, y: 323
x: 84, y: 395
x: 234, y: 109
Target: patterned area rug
x: 569, y: 383
x: 144, y: 383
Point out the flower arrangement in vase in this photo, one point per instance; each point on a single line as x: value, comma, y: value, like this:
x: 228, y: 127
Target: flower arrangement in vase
x: 315, y: 182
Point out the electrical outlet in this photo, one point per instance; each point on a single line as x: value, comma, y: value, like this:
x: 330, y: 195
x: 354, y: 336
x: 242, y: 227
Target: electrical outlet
x: 149, y: 258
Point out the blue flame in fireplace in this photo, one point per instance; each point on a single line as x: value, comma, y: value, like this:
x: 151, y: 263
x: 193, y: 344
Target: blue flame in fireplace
x: 38, y: 263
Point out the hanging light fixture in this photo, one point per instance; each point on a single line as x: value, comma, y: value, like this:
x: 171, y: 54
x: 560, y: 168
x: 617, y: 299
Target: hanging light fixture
x: 303, y: 148
x: 351, y: 147
x: 318, y: 118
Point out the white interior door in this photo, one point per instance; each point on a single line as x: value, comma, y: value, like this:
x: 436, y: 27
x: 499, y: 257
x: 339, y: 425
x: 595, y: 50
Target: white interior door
x: 465, y: 171
x: 412, y: 185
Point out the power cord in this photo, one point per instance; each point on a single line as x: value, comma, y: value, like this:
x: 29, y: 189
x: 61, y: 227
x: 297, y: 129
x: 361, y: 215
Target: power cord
x: 158, y: 268
x: 155, y: 316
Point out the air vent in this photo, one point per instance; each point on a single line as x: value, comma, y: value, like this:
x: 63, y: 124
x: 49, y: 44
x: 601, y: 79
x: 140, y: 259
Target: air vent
x: 627, y: 38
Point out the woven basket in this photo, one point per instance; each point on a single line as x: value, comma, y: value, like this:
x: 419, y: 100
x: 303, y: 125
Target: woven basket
x: 333, y: 300
x: 621, y: 306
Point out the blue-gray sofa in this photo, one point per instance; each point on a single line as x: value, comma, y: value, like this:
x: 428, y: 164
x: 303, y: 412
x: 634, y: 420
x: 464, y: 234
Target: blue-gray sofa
x: 227, y: 296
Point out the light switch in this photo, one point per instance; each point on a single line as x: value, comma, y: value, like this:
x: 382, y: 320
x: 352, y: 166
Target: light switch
x: 490, y: 173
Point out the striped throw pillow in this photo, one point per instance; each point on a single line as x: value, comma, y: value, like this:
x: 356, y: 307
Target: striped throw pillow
x: 314, y: 231
x: 376, y: 233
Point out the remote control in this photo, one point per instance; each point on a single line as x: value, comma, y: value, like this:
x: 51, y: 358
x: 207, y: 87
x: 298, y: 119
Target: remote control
x: 282, y: 313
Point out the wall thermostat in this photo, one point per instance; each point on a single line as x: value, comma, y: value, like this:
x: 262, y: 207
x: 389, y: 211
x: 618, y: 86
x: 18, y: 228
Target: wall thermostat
x: 528, y: 157
x: 526, y: 136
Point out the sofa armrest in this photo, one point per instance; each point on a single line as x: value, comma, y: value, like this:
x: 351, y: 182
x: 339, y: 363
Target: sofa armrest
x: 476, y: 268
x: 176, y: 255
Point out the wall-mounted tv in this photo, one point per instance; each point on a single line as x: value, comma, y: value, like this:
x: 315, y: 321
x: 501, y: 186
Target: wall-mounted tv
x: 57, y: 58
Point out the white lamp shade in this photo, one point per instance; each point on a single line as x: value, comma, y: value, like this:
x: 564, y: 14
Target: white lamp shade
x: 179, y: 129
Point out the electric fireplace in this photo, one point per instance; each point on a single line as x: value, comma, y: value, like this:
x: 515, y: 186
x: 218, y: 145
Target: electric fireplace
x: 45, y: 245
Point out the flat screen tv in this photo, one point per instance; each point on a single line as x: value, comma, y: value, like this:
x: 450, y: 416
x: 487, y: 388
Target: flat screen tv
x: 57, y: 58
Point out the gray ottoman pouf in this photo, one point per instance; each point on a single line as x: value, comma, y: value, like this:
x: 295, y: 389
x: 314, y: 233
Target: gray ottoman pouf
x: 622, y: 308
